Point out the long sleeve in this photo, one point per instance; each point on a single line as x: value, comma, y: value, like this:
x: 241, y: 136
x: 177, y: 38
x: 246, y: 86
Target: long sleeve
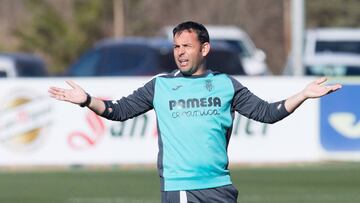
x: 140, y: 101
x: 251, y: 106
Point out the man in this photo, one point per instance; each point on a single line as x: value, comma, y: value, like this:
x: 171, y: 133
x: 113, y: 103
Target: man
x: 195, y: 110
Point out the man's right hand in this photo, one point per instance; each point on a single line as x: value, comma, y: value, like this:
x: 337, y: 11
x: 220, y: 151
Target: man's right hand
x: 75, y: 95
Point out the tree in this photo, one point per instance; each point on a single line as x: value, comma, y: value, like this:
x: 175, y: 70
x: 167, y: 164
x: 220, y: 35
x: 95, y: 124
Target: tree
x: 57, y: 38
x: 333, y: 13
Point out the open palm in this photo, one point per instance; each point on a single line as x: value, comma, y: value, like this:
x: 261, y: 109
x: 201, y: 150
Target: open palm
x: 317, y: 89
x: 75, y: 95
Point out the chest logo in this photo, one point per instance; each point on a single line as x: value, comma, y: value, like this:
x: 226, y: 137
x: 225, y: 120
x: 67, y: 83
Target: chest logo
x: 177, y: 87
x: 209, y: 85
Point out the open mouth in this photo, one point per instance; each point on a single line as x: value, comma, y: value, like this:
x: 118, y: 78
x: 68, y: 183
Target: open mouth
x: 183, y: 62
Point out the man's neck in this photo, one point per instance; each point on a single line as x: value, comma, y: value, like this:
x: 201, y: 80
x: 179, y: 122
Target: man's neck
x: 200, y: 71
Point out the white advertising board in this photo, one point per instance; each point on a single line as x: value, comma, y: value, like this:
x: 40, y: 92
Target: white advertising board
x: 38, y: 130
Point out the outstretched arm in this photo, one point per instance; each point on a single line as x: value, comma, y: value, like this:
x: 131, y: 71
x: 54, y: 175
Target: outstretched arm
x: 76, y: 95
x: 313, y: 90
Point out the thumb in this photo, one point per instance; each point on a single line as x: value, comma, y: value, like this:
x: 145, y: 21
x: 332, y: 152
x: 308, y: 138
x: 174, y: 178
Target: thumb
x: 73, y: 84
x: 320, y: 80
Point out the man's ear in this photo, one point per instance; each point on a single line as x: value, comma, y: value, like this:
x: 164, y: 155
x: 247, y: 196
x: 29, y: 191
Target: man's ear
x: 205, y: 49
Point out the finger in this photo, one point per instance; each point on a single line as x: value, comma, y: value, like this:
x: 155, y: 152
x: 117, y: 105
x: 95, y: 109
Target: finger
x: 57, y: 96
x: 54, y: 92
x: 56, y: 89
x: 72, y: 84
x: 320, y: 80
x: 333, y: 88
x: 51, y: 94
x: 336, y: 87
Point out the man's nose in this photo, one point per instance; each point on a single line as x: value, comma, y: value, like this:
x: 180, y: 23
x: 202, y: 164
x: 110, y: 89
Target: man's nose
x: 181, y: 50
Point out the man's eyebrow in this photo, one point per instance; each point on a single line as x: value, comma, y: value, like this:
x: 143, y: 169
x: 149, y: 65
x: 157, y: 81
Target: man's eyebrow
x: 184, y: 44
x: 187, y: 44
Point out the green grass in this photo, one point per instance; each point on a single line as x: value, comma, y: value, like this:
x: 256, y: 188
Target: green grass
x: 310, y: 183
x: 328, y: 183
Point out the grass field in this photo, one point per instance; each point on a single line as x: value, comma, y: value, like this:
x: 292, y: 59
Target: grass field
x: 308, y: 183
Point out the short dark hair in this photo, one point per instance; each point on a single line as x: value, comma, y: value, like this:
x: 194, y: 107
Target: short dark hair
x: 199, y: 29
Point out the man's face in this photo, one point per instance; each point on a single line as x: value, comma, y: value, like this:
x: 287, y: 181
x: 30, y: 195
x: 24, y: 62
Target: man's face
x: 189, y: 53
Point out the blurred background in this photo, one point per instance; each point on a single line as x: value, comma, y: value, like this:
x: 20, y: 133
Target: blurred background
x: 59, y: 32
x: 52, y: 151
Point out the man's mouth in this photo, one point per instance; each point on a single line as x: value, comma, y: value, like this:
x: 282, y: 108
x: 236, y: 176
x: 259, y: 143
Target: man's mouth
x: 183, y: 62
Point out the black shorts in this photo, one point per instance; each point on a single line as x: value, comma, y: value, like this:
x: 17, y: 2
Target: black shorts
x: 223, y: 194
